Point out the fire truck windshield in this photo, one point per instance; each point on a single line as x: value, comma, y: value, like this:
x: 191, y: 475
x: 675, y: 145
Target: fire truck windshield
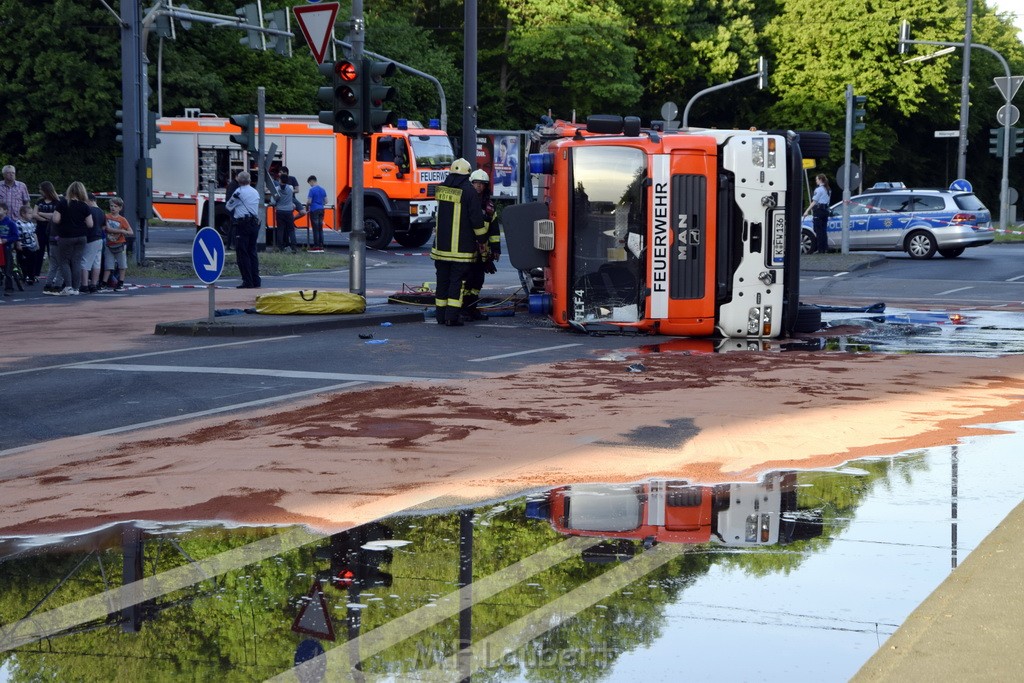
x: 432, y: 151
x: 607, y: 219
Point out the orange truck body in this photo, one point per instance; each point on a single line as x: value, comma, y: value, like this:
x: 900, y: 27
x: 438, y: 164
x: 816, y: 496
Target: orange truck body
x: 401, y: 168
x: 689, y: 233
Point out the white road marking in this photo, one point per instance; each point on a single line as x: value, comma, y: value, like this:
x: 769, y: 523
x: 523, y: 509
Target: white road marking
x: 250, y: 372
x: 107, y: 359
x: 950, y: 291
x: 523, y: 353
x: 1014, y: 279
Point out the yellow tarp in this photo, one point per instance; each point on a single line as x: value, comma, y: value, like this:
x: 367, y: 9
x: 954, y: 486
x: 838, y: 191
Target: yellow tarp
x: 309, y: 302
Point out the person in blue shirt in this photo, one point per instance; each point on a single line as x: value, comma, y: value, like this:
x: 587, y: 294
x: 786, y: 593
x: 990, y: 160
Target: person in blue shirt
x: 316, y: 200
x: 9, y: 237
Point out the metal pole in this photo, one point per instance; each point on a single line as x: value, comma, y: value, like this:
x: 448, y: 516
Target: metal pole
x: 965, y: 93
x: 357, y: 237
x: 469, y: 90
x: 131, y: 79
x: 210, y: 222
x: 846, y: 168
x: 261, y: 175
x: 705, y: 91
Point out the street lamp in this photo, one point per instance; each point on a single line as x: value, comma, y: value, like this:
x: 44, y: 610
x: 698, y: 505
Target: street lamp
x: 1008, y: 91
x: 762, y: 83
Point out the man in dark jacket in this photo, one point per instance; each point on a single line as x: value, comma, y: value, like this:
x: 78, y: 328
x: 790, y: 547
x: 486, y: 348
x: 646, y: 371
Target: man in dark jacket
x: 460, y: 236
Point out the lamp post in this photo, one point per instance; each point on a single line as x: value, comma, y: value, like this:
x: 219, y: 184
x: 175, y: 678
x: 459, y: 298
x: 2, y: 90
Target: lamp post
x: 762, y: 83
x: 1008, y: 92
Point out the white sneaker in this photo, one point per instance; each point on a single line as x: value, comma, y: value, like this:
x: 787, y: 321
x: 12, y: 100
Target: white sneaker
x: 68, y: 291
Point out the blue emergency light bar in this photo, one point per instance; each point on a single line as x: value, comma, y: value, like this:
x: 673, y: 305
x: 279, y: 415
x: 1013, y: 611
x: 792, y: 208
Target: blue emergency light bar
x: 542, y: 163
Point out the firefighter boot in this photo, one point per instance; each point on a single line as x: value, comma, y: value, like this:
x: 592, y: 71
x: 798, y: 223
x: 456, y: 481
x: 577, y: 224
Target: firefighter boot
x: 439, y: 314
x: 452, y: 317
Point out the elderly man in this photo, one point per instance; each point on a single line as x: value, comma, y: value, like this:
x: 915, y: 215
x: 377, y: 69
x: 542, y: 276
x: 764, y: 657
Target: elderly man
x: 13, y: 192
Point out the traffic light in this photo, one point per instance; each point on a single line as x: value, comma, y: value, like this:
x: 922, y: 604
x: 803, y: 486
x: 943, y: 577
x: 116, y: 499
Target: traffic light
x: 858, y: 112
x: 153, y: 132
x: 120, y: 125
x: 996, y: 141
x: 1017, y: 141
x: 280, y: 20
x: 252, y: 15
x: 376, y: 95
x: 247, y: 138
x: 345, y: 94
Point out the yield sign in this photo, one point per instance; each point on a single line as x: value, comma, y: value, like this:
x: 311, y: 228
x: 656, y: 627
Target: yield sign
x: 317, y: 24
x: 1008, y: 85
x: 313, y: 619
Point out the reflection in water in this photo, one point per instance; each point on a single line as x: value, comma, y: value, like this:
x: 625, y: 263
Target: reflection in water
x: 583, y: 581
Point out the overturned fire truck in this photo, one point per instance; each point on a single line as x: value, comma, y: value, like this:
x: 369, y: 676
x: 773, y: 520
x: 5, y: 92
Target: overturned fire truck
x: 689, y: 233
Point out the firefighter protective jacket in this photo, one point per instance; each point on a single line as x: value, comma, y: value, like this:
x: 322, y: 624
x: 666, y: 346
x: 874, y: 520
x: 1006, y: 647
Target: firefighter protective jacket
x: 460, y: 221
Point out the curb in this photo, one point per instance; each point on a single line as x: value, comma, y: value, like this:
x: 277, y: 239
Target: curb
x: 256, y: 325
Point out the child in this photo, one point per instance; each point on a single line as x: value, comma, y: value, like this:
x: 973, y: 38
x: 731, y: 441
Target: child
x: 8, y: 243
x: 118, y: 231
x: 29, y: 242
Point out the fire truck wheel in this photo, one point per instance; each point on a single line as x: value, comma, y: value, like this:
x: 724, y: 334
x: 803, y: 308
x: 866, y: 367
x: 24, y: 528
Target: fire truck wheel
x: 416, y: 237
x: 808, y: 319
x: 377, y: 225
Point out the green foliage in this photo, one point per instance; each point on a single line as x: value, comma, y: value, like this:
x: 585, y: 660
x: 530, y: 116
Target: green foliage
x: 60, y: 80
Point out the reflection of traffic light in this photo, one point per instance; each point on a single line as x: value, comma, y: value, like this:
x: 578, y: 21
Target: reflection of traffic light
x: 1017, y: 141
x: 352, y: 565
x: 247, y: 138
x: 345, y: 94
x: 120, y: 125
x: 376, y: 96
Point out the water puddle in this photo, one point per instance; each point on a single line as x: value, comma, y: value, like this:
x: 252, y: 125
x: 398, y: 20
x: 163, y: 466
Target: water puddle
x: 801, y: 576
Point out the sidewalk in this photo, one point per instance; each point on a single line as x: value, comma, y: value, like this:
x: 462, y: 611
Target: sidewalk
x: 970, y: 628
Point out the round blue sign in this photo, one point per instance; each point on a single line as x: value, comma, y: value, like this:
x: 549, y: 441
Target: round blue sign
x: 208, y: 255
x: 310, y: 651
x: 961, y: 185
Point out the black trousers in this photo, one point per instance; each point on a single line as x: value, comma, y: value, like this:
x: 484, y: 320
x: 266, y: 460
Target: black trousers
x: 247, y: 233
x: 448, y: 295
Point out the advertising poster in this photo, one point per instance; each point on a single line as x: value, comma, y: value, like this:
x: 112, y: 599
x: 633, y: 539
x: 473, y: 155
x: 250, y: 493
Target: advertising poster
x: 506, y: 166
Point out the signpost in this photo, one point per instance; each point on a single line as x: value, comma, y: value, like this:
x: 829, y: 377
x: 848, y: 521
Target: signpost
x: 208, y: 260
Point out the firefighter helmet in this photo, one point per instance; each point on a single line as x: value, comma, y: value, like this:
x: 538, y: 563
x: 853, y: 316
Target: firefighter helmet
x: 460, y: 167
x: 479, y: 175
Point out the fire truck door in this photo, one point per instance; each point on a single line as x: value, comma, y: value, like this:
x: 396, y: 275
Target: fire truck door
x: 383, y: 171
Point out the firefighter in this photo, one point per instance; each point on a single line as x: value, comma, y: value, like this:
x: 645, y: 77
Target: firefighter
x: 459, y: 237
x: 484, y: 262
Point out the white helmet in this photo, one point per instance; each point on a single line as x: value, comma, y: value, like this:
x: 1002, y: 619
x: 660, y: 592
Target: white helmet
x: 479, y: 175
x: 460, y: 167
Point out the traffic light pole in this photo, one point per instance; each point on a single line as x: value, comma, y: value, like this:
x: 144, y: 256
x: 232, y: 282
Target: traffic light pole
x: 847, y: 151
x: 357, y: 237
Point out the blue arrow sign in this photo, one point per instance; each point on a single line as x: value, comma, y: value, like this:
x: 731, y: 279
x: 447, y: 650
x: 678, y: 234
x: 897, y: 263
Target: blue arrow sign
x: 208, y: 255
x: 961, y: 185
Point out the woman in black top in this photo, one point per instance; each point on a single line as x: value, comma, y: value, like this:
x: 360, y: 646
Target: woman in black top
x: 44, y: 215
x: 73, y: 220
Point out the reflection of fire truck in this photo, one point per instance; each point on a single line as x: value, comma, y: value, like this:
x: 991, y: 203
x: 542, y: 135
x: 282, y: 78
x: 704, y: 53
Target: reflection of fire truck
x: 687, y: 233
x: 735, y: 515
x: 402, y: 166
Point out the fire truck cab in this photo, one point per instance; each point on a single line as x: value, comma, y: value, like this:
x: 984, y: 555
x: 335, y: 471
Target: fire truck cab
x: 691, y: 233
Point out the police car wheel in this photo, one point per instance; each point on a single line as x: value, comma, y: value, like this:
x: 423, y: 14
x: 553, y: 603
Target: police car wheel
x: 920, y: 245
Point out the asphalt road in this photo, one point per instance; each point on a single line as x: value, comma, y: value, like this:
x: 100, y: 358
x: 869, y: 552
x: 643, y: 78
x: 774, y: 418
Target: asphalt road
x: 179, y: 378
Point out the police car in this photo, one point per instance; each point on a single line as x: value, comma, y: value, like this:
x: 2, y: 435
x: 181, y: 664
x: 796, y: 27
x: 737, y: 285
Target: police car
x: 890, y: 217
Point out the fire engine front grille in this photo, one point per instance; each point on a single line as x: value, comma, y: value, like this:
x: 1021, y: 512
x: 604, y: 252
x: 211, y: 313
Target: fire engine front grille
x: 688, y: 264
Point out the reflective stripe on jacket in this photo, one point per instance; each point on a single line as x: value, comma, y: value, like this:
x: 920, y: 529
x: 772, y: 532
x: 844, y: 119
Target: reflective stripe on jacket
x: 460, y: 221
